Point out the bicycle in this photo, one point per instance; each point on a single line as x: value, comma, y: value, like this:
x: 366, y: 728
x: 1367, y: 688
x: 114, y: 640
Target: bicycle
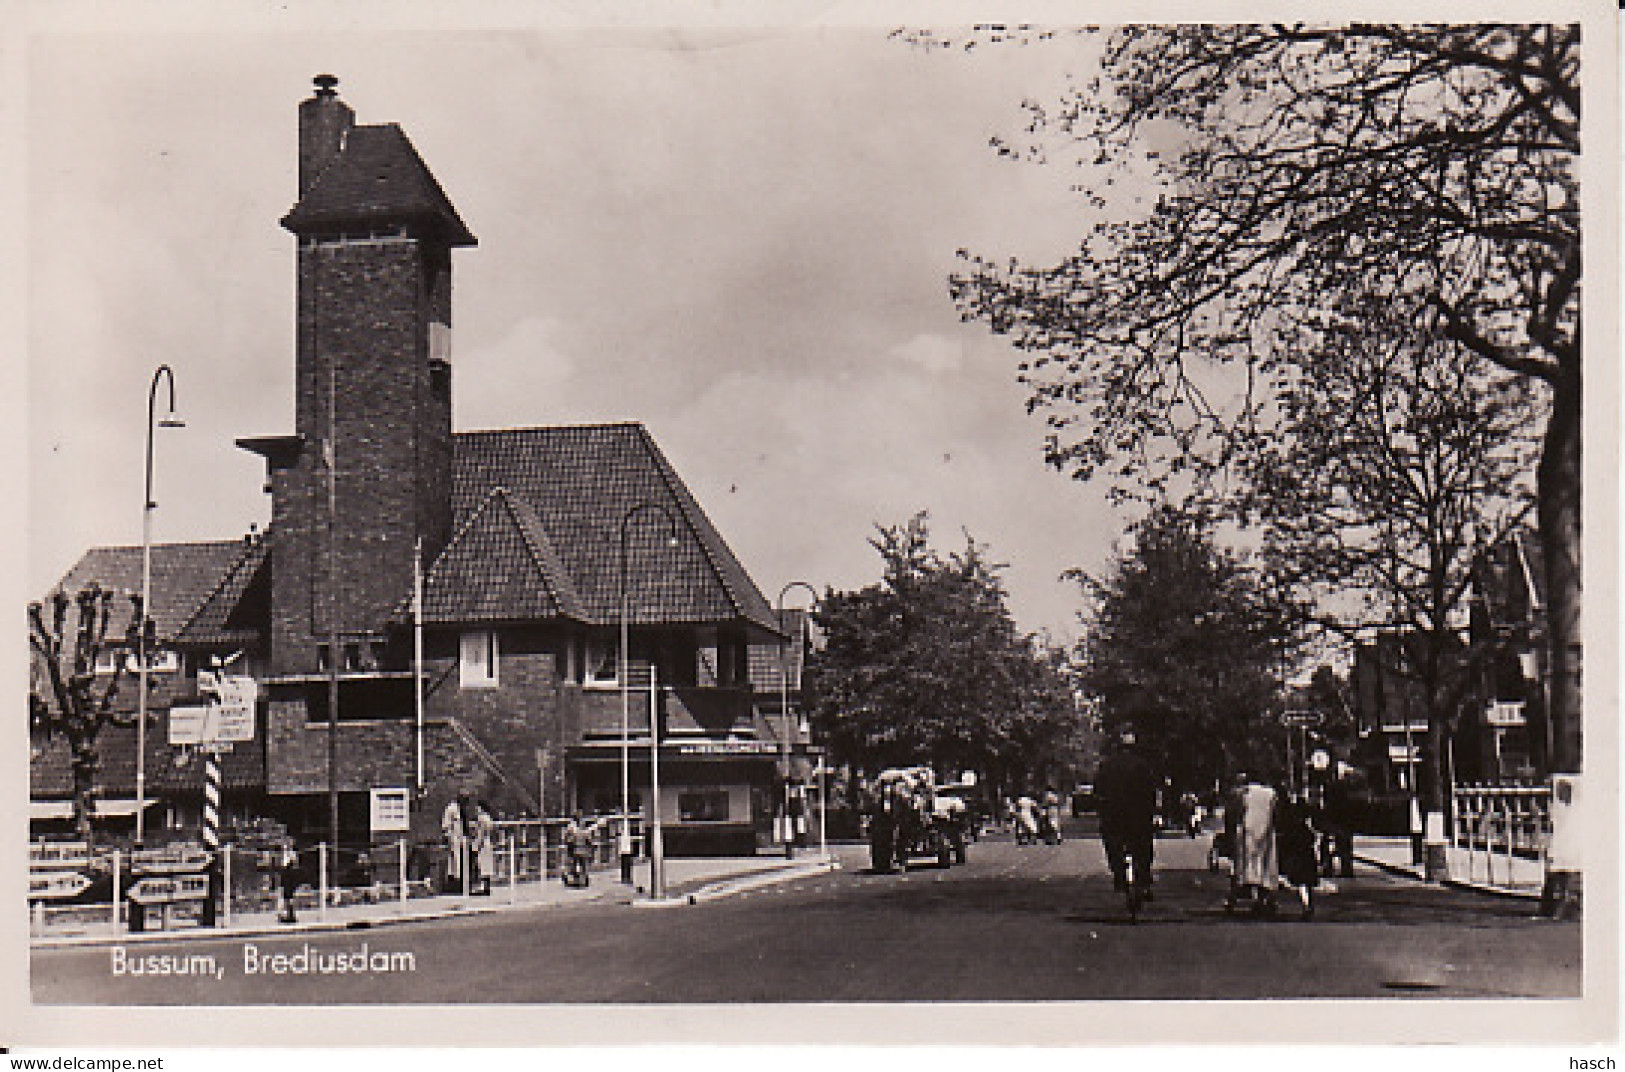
x: 1133, y: 894
x: 575, y: 870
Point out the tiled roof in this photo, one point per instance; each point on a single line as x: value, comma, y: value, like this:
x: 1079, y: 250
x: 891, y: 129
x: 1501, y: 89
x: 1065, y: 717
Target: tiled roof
x: 183, y: 576
x: 51, y: 773
x: 580, y: 482
x: 238, y: 610
x: 500, y: 566
x: 378, y: 178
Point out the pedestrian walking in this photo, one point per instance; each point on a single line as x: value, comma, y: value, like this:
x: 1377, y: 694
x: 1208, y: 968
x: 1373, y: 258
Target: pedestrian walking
x: 287, y: 882
x: 1052, y: 816
x: 454, y: 830
x: 580, y: 839
x: 1126, y: 794
x: 1295, y: 845
x: 1339, y: 815
x: 483, y: 846
x: 1250, y: 818
x: 1026, y: 819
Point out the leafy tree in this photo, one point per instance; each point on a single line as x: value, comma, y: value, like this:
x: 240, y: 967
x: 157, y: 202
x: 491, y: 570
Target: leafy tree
x: 1289, y: 170
x: 1186, y: 644
x: 66, y: 698
x: 926, y: 667
x: 1397, y: 457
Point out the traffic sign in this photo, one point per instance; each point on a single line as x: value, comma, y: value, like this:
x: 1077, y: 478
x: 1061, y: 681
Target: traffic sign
x: 56, y: 885
x: 173, y: 860
x: 1302, y: 719
x: 49, y: 855
x: 150, y: 891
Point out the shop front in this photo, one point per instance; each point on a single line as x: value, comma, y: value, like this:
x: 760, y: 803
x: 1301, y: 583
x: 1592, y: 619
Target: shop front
x: 717, y: 798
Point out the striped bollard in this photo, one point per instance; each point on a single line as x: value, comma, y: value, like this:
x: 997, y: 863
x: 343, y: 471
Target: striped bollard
x: 211, y: 831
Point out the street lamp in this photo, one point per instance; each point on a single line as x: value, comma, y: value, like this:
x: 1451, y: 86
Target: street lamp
x: 784, y: 713
x: 169, y: 420
x: 657, y: 877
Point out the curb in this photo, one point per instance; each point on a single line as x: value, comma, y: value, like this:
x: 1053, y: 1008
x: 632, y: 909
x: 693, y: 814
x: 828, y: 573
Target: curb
x: 712, y: 891
x: 1450, y: 883
x: 316, y: 925
x: 716, y: 891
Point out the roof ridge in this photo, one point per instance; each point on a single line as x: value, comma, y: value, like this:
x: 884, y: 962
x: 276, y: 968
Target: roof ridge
x: 468, y: 522
x: 584, y: 426
x: 518, y: 508
x: 249, y: 547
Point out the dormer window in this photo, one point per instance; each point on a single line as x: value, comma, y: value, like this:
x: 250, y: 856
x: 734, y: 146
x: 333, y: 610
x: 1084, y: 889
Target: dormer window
x: 479, y: 662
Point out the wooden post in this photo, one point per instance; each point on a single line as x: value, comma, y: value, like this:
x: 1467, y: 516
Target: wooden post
x: 401, y: 845
x: 321, y: 885
x: 118, y: 908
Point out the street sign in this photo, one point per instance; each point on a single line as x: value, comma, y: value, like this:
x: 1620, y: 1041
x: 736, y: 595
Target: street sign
x: 232, y: 712
x: 56, y: 885
x: 391, y: 810
x: 49, y: 855
x: 172, y: 860
x: 1302, y: 719
x: 151, y: 891
x: 186, y: 724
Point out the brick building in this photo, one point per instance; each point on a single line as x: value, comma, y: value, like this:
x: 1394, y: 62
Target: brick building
x: 504, y: 557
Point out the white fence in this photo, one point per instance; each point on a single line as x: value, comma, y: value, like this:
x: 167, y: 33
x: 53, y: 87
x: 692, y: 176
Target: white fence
x: 1504, y: 831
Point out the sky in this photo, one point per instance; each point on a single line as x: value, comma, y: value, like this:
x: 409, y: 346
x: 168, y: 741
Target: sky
x: 740, y: 237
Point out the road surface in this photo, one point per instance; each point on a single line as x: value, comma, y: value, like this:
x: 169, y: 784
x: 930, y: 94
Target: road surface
x: 1022, y: 923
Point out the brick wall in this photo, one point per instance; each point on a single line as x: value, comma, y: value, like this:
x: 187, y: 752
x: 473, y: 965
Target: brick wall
x: 531, y: 710
x: 363, y: 314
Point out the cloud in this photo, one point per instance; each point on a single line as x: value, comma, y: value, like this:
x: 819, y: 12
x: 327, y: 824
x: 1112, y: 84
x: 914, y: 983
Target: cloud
x: 517, y: 380
x: 935, y: 354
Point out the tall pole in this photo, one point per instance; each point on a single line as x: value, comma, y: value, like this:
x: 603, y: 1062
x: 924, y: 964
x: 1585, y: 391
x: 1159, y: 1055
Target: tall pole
x: 331, y: 463
x: 165, y: 373
x: 626, y: 703
x: 417, y: 665
x: 784, y: 714
x: 657, y: 841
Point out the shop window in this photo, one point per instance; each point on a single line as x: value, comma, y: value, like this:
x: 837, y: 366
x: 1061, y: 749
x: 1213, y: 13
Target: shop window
x: 480, y: 658
x: 702, y: 806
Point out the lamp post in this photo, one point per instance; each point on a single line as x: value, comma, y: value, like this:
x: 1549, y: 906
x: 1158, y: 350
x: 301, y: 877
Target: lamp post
x: 165, y: 373
x: 784, y: 713
x: 657, y: 878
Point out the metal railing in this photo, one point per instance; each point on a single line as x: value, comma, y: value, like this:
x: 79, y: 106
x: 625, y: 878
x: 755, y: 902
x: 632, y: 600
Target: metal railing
x: 1505, y: 831
x: 523, y: 851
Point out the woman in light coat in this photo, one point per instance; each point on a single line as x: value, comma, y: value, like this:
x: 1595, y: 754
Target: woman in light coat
x: 453, y: 827
x: 1251, y: 817
x: 484, y: 847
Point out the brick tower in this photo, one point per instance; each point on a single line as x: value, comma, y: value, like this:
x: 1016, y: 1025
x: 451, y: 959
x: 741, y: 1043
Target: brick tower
x: 368, y: 473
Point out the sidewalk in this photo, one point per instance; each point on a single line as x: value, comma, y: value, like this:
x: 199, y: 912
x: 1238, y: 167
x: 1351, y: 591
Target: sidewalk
x: 1477, y: 871
x: 688, y: 881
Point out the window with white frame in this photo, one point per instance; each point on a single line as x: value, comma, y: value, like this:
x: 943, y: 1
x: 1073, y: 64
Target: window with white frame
x: 159, y: 661
x: 480, y: 656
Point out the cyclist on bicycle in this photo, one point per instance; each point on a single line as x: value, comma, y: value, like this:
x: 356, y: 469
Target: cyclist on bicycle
x: 1126, y: 795
x: 580, y: 838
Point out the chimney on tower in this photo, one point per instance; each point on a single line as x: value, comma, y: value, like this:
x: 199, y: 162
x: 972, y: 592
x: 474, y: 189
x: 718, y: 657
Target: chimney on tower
x: 324, y: 122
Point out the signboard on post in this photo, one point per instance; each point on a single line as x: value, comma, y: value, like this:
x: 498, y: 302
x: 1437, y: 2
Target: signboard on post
x: 232, y: 711
x: 1302, y: 719
x: 167, y: 889
x: 391, y: 810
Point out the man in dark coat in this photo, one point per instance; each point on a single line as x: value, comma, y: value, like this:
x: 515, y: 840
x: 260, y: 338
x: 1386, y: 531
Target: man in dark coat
x: 1126, y: 795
